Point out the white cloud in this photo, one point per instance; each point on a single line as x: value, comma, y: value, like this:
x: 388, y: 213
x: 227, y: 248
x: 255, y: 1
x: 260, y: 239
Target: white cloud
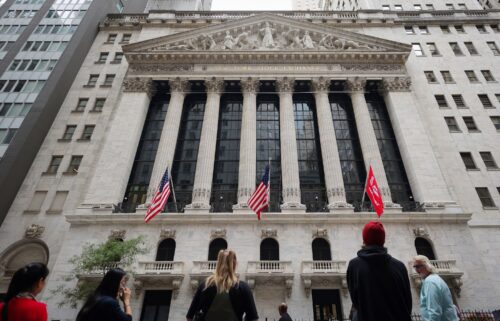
x: 251, y: 5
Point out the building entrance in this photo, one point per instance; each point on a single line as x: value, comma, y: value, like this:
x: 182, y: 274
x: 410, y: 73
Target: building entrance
x: 326, y: 305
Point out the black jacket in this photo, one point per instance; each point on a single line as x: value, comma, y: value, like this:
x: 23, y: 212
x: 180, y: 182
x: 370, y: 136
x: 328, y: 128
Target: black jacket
x: 240, y: 295
x: 107, y: 309
x: 285, y: 317
x: 379, y: 286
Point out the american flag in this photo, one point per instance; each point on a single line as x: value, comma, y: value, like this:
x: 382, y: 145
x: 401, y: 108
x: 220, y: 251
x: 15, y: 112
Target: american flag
x: 259, y: 201
x: 160, y: 198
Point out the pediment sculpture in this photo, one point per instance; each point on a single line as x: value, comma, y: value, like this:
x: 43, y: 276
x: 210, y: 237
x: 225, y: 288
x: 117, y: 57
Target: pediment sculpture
x: 268, y: 36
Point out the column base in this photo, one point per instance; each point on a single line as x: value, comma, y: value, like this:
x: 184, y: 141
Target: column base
x: 197, y: 208
x: 241, y: 208
x: 340, y: 208
x: 293, y: 207
x: 390, y: 207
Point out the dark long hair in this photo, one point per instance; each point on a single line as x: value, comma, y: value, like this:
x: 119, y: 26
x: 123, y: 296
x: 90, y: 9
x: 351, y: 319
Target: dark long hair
x: 24, y: 280
x: 109, y: 286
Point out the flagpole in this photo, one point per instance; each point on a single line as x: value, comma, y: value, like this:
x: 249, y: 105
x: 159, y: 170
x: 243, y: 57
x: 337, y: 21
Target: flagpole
x: 366, y: 182
x: 269, y: 189
x: 173, y: 193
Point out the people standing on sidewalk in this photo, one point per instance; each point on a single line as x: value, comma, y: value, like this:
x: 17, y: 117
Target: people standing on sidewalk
x: 283, y: 310
x: 378, y: 283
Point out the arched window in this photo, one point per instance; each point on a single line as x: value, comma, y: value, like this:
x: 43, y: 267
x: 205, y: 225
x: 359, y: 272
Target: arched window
x: 424, y: 247
x: 166, y: 250
x: 269, y: 250
x: 321, y: 250
x: 215, y: 246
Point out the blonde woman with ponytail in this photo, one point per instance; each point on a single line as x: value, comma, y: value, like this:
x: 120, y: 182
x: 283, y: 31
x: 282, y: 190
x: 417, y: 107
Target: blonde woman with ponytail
x: 222, y: 296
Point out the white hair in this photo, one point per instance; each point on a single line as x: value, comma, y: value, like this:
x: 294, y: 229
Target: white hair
x: 426, y: 262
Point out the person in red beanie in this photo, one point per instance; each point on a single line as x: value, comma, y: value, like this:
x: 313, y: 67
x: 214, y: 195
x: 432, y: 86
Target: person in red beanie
x: 378, y: 283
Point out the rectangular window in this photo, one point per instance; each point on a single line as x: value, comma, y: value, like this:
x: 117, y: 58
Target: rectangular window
x: 92, y: 80
x: 423, y: 30
x: 74, y: 164
x: 431, y: 46
x: 126, y: 38
x: 429, y: 6
x: 55, y: 162
x: 498, y: 97
x: 468, y: 161
x: 488, y: 76
x: 386, y: 7
x: 451, y: 122
x: 450, y: 6
x: 459, y: 101
x: 481, y: 29
x: 441, y: 101
x: 456, y: 49
x: 431, y: 78
x: 8, y: 136
x: 462, y: 6
x: 37, y: 201
x: 470, y: 124
x: 459, y: 29
x: 448, y: 79
x: 488, y: 160
x: 409, y: 30
x: 417, y: 7
x: 99, y: 104
x: 445, y: 29
x: 470, y: 47
x: 417, y: 49
x: 495, y: 28
x: 82, y: 103
x: 398, y: 7
x: 496, y: 122
x: 493, y: 48
x: 111, y: 38
x: 485, y: 197
x: 108, y: 81
x: 68, y: 132
x: 103, y: 56
x: 58, y: 202
x: 118, y: 57
x: 485, y: 100
x: 471, y: 75
x: 88, y: 130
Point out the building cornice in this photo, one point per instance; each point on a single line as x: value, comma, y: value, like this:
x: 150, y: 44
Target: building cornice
x: 270, y: 218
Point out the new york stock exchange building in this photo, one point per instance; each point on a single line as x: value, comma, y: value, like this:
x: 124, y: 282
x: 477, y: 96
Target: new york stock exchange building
x: 320, y: 96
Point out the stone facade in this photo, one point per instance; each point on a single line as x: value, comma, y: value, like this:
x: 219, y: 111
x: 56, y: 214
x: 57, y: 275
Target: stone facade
x: 284, y: 48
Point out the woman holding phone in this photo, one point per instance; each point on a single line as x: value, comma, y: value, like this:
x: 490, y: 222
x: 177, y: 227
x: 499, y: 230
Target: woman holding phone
x: 102, y: 304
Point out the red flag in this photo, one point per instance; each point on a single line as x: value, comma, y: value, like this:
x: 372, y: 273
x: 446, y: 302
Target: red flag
x: 374, y: 193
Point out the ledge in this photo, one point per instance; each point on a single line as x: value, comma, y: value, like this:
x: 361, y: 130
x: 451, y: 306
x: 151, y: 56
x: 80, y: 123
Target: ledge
x: 92, y: 218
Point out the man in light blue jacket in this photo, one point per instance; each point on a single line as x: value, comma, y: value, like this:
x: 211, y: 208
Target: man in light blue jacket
x: 435, y: 296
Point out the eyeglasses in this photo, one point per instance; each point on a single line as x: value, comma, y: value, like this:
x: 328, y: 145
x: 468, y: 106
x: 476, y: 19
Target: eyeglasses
x: 418, y: 266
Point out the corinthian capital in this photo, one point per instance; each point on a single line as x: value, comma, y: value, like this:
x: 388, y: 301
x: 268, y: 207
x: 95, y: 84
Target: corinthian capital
x: 320, y: 84
x: 136, y: 84
x: 250, y: 85
x: 285, y: 84
x: 397, y: 84
x: 214, y: 85
x: 179, y: 85
x: 356, y: 84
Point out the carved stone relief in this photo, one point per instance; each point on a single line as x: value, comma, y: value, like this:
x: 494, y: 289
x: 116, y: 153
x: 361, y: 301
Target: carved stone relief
x: 397, y: 84
x: 166, y: 233
x: 420, y: 232
x: 214, y: 85
x: 321, y: 232
x: 34, y: 231
x: 269, y: 232
x: 285, y: 84
x: 321, y: 84
x: 138, y: 85
x: 250, y: 85
x: 160, y: 68
x: 117, y: 234
x: 218, y: 233
x: 356, y: 84
x: 179, y: 85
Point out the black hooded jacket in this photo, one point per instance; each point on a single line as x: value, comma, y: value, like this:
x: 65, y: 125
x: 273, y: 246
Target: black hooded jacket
x: 379, y: 286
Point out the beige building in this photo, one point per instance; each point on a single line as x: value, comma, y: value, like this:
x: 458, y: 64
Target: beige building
x: 324, y: 96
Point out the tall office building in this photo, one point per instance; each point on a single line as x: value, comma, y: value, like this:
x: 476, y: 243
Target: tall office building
x: 214, y: 96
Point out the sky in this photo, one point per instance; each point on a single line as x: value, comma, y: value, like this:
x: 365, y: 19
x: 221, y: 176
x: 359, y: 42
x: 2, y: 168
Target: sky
x: 252, y: 5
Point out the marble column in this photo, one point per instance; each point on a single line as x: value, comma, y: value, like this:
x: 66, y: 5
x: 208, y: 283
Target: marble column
x: 166, y: 148
x: 112, y: 171
x: 206, y: 152
x: 421, y: 165
x: 289, y: 158
x: 248, y: 142
x: 329, y: 150
x: 368, y: 139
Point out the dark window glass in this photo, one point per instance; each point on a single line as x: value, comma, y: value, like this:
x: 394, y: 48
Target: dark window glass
x: 269, y: 250
x: 485, y: 197
x: 423, y: 247
x: 312, y: 184
x: 138, y: 183
x: 186, y: 152
x: 391, y: 158
x: 156, y: 305
x: 349, y: 148
x: 321, y: 250
x: 227, y: 154
x: 468, y: 160
x: 268, y: 145
x: 166, y: 250
x: 215, y: 246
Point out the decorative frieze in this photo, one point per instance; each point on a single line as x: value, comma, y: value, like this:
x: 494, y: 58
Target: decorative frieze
x: 373, y: 67
x: 34, y: 231
x: 179, y: 85
x: 214, y: 85
x: 218, y: 233
x: 117, y: 235
x: 166, y: 233
x: 149, y: 68
x: 269, y: 232
x: 137, y: 84
x: 356, y: 84
x: 397, y: 84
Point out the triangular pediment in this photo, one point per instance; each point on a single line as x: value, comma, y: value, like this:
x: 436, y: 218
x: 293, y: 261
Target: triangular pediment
x: 267, y: 32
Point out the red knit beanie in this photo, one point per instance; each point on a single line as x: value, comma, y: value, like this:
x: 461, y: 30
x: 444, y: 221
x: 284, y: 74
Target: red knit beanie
x: 374, y: 234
